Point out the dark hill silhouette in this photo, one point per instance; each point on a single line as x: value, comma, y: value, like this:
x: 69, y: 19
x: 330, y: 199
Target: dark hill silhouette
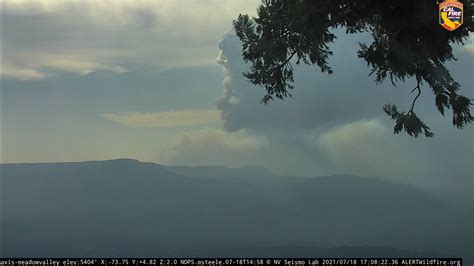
x: 129, y: 208
x: 254, y: 171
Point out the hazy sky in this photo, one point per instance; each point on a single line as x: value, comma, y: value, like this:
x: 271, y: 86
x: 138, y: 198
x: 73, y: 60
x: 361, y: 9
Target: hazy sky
x: 161, y: 81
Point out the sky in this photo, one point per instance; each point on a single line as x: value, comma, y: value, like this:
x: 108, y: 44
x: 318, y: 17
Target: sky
x: 161, y: 81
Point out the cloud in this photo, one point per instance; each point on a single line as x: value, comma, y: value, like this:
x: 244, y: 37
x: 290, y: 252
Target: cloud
x: 40, y: 66
x: 110, y: 35
x: 215, y: 147
x: 71, y: 64
x: 165, y: 119
x: 21, y: 73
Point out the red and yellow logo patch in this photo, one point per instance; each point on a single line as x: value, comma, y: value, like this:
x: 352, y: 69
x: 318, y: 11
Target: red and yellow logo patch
x: 450, y: 14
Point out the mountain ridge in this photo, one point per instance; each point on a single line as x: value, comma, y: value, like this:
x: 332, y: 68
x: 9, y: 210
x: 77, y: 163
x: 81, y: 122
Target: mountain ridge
x: 97, y: 205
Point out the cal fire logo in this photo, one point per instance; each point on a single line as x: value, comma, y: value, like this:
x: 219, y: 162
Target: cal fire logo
x: 450, y: 14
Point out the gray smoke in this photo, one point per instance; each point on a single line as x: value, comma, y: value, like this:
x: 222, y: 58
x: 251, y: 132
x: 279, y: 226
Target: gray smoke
x: 335, y: 124
x: 319, y: 100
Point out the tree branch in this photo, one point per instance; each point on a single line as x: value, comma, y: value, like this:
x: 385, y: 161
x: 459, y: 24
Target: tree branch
x: 416, y: 98
x: 286, y: 61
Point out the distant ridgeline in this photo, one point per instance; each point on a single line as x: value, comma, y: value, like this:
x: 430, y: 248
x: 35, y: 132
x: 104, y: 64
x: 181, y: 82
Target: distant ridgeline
x: 128, y: 208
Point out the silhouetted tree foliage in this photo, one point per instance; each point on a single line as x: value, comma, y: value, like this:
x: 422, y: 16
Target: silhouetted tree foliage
x: 407, y: 42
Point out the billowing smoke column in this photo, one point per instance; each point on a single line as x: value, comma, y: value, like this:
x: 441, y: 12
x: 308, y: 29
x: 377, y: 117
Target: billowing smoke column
x: 223, y: 103
x: 335, y: 123
x: 320, y: 101
x: 234, y: 83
